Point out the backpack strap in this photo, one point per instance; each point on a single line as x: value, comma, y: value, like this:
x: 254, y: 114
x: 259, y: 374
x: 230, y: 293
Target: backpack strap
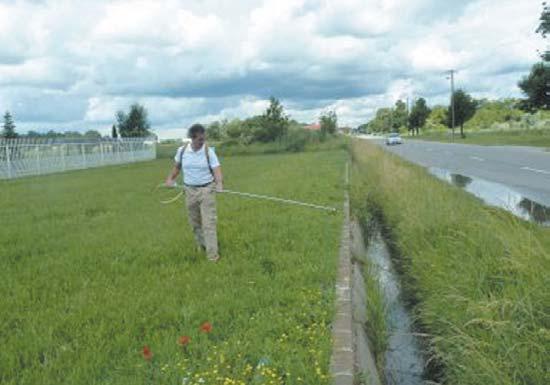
x: 205, y: 151
x: 208, y: 158
x: 181, y: 154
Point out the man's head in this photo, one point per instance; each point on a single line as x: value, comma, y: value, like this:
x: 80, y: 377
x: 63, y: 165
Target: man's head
x: 197, y: 135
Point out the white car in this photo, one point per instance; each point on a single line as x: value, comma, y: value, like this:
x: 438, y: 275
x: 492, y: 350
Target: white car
x: 393, y: 138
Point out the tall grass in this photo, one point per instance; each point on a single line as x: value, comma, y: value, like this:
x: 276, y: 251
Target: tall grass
x: 376, y: 312
x: 93, y: 268
x: 478, y: 277
x: 377, y: 325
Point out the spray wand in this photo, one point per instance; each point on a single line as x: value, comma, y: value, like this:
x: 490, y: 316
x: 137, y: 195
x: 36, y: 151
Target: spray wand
x: 255, y: 196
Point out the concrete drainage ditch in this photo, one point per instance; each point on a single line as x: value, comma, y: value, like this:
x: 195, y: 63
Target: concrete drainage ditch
x: 404, y: 358
x: 352, y: 361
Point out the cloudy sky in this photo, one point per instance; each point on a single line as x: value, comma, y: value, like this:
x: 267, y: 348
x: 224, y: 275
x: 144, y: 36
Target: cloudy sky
x: 70, y: 65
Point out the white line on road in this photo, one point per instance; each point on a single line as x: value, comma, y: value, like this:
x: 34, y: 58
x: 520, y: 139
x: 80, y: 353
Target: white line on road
x: 536, y: 170
x: 477, y: 158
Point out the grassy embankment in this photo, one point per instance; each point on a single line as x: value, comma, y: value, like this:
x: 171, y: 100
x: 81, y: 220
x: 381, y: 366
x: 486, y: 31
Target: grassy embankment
x: 477, y: 277
x: 93, y: 268
x: 532, y: 137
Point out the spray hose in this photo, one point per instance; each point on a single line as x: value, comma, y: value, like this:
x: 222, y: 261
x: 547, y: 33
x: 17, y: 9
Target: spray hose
x: 249, y: 195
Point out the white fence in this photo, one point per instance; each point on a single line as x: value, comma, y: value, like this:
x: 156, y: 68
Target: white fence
x: 29, y: 156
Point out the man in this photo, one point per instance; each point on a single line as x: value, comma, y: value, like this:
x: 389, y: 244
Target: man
x: 202, y: 177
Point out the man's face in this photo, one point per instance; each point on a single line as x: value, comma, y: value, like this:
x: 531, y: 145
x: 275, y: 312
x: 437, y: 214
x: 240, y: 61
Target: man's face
x: 198, y: 140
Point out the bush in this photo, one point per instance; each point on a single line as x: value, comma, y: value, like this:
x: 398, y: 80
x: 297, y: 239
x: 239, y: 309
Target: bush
x: 296, y: 140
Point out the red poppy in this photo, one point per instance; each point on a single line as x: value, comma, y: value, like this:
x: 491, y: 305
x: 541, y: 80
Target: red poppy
x: 184, y: 340
x: 206, y: 327
x: 147, y: 353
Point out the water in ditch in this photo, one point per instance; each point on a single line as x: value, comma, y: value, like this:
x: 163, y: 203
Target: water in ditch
x: 404, y: 359
x: 496, y: 194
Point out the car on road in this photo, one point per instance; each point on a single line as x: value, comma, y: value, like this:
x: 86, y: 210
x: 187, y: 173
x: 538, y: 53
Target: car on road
x: 393, y: 138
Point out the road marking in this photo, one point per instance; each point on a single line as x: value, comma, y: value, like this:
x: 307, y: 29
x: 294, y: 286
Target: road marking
x: 536, y: 170
x: 477, y: 158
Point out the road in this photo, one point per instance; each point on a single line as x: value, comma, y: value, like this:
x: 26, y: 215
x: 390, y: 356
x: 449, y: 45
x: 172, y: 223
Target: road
x: 524, y: 169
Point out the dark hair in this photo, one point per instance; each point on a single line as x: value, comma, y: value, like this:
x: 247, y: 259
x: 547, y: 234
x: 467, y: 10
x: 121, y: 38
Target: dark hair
x: 195, y: 129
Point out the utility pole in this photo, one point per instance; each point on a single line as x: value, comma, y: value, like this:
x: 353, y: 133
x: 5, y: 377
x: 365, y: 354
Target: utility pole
x: 408, y: 113
x: 452, y: 72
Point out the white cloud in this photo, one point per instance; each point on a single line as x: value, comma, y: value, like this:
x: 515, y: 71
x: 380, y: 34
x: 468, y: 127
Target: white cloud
x: 358, y: 18
x: 17, y: 42
x: 156, y: 23
x: 44, y: 72
x: 435, y: 54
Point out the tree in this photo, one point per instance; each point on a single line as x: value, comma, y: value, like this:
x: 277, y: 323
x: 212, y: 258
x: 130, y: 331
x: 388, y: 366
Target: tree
x: 133, y: 124
x: 240, y: 131
x: 92, y: 134
x: 9, y: 127
x: 329, y: 123
x: 33, y: 134
x: 52, y: 134
x: 363, y: 128
x: 491, y: 112
x: 114, y: 133
x: 399, y: 116
x: 274, y: 122
x: 465, y: 108
x: 121, y: 122
x: 233, y: 128
x: 544, y: 26
x: 544, y: 29
x: 66, y: 134
x: 214, y: 131
x: 437, y: 120
x: 535, y: 87
x: 382, y: 122
x: 252, y: 129
x: 419, y: 114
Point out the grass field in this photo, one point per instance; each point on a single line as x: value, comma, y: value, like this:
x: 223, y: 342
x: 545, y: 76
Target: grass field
x: 532, y: 137
x: 94, y: 268
x: 478, y: 277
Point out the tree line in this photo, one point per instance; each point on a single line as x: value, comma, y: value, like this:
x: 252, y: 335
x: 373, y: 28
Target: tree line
x: 135, y: 123
x: 271, y: 126
x: 400, y: 118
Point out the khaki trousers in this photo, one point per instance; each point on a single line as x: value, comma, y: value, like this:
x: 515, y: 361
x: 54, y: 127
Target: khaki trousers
x: 201, y: 209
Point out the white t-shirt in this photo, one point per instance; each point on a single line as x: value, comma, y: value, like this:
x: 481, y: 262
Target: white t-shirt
x: 195, y: 165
